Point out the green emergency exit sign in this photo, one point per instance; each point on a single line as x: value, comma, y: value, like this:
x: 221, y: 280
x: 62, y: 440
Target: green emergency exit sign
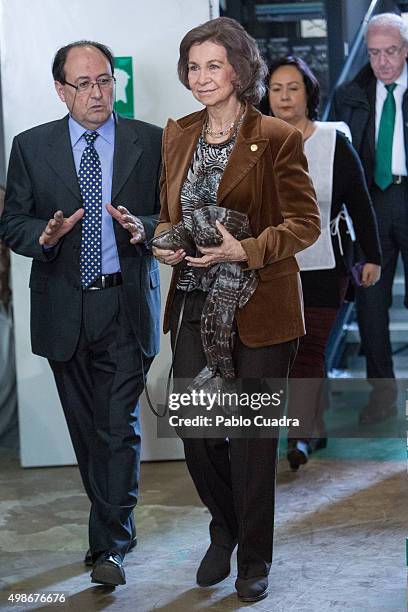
x: 124, y: 104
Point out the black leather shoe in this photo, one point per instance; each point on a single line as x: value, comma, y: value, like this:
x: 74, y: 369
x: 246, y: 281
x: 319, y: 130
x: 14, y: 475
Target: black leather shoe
x: 369, y: 416
x: 108, y: 569
x: 252, y: 589
x: 88, y: 556
x: 215, y: 565
x: 298, y: 454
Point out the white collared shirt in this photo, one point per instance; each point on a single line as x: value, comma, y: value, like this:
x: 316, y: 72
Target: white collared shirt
x: 399, y: 165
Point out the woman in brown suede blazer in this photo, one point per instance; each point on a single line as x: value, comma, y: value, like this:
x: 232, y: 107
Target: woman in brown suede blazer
x: 261, y: 172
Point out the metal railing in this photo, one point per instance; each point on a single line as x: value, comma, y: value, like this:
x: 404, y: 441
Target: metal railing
x: 336, y: 339
x: 355, y: 48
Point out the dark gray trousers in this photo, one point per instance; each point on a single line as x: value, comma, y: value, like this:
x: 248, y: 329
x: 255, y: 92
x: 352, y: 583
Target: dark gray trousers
x: 235, y: 477
x: 99, y: 389
x: 373, y: 303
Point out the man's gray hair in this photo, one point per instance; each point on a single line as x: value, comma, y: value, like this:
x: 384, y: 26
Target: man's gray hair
x: 388, y: 20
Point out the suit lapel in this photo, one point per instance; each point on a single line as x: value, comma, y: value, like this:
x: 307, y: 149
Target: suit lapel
x: 59, y: 157
x: 128, y: 150
x: 247, y: 151
x: 180, y: 144
x: 372, y: 96
x: 181, y: 140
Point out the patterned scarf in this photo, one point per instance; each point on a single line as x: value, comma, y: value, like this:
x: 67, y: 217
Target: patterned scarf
x: 229, y: 287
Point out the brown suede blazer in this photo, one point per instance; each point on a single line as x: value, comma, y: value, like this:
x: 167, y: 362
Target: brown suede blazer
x: 265, y: 177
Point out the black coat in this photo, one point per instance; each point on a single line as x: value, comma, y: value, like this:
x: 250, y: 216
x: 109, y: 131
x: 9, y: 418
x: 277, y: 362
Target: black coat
x: 42, y: 179
x: 354, y: 103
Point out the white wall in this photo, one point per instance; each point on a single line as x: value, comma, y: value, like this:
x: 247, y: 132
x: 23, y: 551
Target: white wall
x: 30, y: 33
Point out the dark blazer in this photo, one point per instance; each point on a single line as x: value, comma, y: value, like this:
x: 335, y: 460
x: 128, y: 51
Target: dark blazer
x: 354, y: 103
x: 265, y: 177
x: 42, y: 179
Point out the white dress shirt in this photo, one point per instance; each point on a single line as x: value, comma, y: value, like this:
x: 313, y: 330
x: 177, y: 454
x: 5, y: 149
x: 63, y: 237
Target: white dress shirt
x: 399, y: 165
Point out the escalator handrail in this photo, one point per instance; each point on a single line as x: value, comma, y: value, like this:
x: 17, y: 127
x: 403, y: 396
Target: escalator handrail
x: 359, y: 39
x: 335, y: 339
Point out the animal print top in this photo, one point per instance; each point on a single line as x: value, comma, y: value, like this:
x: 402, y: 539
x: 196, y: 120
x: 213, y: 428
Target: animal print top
x: 200, y: 189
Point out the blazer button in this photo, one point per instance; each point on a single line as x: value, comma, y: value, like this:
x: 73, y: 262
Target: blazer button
x: 254, y: 147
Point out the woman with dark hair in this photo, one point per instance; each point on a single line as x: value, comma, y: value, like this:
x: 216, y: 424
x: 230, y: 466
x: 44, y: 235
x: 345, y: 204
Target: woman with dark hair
x: 344, y: 204
x: 239, y: 302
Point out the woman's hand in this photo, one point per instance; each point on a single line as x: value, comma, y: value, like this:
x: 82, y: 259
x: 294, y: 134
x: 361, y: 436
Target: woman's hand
x: 229, y: 250
x: 370, y: 275
x: 171, y: 258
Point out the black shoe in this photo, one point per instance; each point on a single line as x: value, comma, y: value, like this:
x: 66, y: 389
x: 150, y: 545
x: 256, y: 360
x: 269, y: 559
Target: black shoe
x: 371, y: 416
x: 108, y: 569
x: 88, y: 556
x: 215, y: 565
x: 298, y: 454
x: 252, y: 589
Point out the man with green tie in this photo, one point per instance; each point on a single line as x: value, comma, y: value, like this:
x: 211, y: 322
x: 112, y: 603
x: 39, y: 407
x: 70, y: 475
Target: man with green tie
x: 375, y: 106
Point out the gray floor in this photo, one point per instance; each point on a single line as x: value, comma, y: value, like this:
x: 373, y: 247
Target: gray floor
x: 340, y: 539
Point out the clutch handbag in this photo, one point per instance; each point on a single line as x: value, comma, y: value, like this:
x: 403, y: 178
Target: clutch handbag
x: 356, y: 271
x: 204, y: 230
x: 177, y: 237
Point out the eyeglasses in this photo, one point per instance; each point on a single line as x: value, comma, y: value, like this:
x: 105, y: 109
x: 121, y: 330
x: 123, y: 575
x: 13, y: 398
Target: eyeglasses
x: 389, y: 52
x: 103, y: 83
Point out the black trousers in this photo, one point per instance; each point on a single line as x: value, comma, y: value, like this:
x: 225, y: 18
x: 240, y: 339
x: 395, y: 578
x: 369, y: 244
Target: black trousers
x: 99, y: 389
x: 235, y: 478
x: 373, y: 303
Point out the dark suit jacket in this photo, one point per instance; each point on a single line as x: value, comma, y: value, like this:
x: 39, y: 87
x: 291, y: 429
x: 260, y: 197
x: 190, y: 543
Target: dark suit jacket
x: 42, y: 179
x: 266, y: 178
x: 354, y: 103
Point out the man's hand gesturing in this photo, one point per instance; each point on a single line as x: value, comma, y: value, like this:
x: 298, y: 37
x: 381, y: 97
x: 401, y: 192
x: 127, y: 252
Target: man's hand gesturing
x: 58, y: 227
x: 131, y: 223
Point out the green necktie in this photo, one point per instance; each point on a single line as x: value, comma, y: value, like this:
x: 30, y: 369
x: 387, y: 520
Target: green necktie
x: 383, y: 153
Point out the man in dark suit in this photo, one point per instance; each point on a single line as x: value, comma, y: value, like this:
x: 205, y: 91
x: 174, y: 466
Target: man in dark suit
x: 375, y: 106
x: 81, y: 201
